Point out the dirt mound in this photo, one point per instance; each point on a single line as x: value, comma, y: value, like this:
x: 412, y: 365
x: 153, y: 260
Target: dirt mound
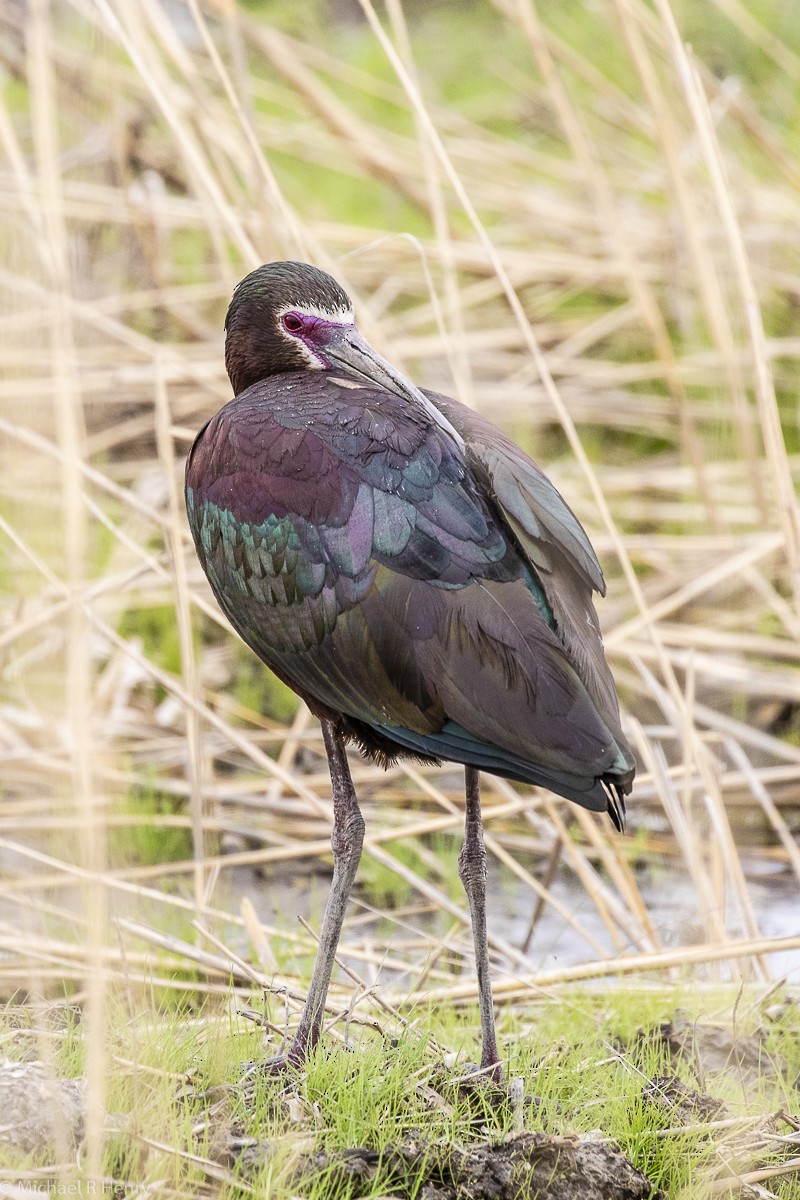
x: 525, y: 1165
x: 40, y: 1111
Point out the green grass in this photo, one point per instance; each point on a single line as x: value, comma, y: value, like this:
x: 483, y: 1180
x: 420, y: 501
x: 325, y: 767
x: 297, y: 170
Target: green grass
x: 437, y: 858
x: 587, y: 1061
x: 144, y: 841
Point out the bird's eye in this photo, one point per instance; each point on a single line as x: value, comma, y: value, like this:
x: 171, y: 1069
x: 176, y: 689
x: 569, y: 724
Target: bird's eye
x: 292, y: 322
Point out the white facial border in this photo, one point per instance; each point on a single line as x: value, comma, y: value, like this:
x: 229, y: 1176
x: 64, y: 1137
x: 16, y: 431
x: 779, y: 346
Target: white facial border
x: 337, y: 316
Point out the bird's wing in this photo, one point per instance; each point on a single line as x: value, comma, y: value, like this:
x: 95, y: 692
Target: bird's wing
x: 350, y: 547
x: 542, y: 521
x: 298, y: 508
x: 296, y: 502
x: 552, y: 540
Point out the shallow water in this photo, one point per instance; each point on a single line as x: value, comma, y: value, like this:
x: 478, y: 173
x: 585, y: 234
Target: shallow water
x: 667, y: 891
x: 299, y: 890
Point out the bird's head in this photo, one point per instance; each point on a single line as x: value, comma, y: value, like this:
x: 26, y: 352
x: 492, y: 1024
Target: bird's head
x: 289, y: 316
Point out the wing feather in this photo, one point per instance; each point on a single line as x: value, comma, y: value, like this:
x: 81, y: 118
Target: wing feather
x: 553, y: 542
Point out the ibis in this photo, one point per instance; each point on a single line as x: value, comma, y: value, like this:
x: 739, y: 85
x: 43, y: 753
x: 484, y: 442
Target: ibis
x: 410, y: 572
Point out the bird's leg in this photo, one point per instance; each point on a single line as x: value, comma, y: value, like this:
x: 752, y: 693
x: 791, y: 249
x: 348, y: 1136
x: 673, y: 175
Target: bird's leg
x: 347, y: 840
x: 472, y: 870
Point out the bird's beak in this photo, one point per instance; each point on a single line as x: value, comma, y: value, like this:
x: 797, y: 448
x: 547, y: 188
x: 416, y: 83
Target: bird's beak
x: 346, y: 348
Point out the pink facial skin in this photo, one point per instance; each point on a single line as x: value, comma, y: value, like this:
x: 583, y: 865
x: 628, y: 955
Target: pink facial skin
x: 313, y: 332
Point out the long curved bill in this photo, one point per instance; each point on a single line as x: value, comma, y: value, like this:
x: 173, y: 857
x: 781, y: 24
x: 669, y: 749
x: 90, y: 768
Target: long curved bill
x: 346, y: 348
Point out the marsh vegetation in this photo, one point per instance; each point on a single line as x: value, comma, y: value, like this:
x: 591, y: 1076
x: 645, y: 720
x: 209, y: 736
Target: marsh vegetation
x: 581, y: 218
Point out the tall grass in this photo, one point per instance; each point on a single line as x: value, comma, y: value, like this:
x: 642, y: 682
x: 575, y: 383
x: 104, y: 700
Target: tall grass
x: 583, y: 219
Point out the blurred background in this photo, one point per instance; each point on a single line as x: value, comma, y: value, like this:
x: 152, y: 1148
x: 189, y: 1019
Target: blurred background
x: 631, y: 170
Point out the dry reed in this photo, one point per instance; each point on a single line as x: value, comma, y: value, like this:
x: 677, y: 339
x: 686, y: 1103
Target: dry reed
x: 624, y: 292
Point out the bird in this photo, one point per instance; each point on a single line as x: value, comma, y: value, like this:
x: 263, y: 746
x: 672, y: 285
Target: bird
x: 410, y: 572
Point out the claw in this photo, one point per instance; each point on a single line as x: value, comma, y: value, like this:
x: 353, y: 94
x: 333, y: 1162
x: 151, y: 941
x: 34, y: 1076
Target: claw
x: 282, y: 1064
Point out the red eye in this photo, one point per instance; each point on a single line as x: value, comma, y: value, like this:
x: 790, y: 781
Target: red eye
x: 292, y: 322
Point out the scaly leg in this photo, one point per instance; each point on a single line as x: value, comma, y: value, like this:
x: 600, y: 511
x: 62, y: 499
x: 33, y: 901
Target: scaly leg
x: 347, y: 840
x: 472, y: 870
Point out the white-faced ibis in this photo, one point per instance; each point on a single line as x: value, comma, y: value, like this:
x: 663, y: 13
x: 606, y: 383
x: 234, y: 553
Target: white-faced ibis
x: 409, y: 571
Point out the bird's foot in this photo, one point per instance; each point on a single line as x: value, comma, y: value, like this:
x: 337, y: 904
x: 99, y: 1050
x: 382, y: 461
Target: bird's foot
x: 281, y: 1064
x: 491, y: 1074
x: 487, y: 1090
x: 289, y: 1062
